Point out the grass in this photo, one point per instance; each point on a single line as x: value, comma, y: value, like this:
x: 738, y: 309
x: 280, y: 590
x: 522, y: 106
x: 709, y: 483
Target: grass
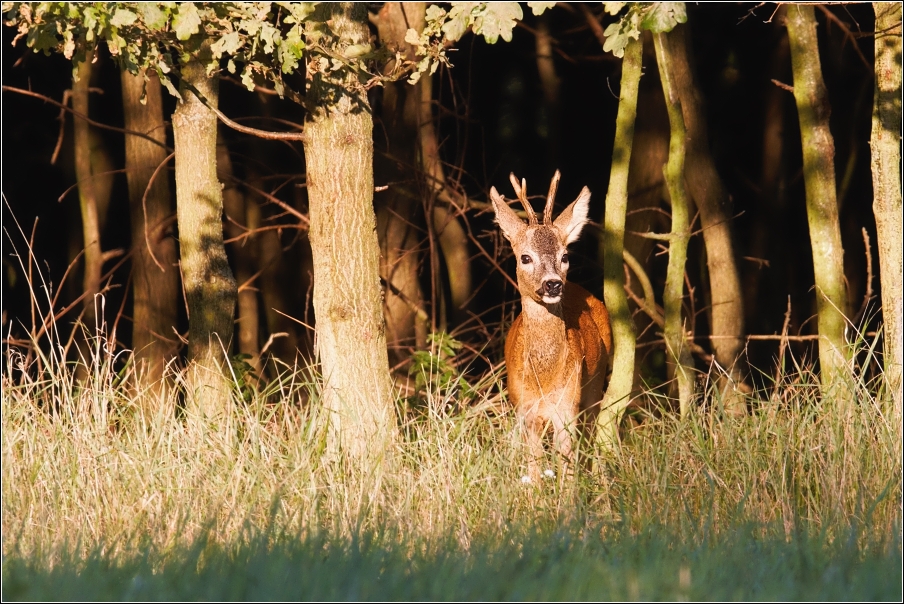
x: 799, y: 500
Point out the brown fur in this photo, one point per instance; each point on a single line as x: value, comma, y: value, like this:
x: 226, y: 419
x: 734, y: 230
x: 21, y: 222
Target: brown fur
x: 542, y: 387
x: 557, y: 350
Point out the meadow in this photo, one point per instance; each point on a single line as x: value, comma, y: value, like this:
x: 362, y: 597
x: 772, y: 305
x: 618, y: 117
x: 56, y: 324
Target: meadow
x: 799, y: 500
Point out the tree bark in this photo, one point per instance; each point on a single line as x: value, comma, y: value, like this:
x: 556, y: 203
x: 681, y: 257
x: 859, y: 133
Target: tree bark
x: 155, y: 288
x: 209, y: 285
x: 397, y: 207
x: 618, y: 394
x: 819, y: 181
x: 87, y: 196
x: 707, y: 191
x: 677, y: 350
x: 885, y: 146
x: 351, y: 341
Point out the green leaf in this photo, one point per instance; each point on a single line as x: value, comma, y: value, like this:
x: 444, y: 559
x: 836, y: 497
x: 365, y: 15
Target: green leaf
x: 228, y: 44
x: 123, y: 17
x: 664, y: 16
x: 498, y: 19
x: 616, y: 41
x: 412, y: 37
x: 459, y: 20
x: 153, y: 16
x: 435, y: 13
x: 539, y: 8
x: 613, y: 8
x: 187, y: 22
x: 248, y: 78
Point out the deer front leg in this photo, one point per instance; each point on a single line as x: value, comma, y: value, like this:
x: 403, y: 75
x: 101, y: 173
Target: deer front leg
x: 564, y: 425
x: 534, y: 427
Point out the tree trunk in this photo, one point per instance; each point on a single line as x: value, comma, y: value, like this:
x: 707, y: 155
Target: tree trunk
x: 886, y: 165
x: 453, y: 240
x: 677, y: 350
x: 551, y: 84
x: 155, y: 288
x: 618, y: 394
x: 235, y: 203
x: 819, y: 180
x: 87, y: 197
x: 706, y: 189
x: 397, y: 232
x: 351, y: 341
x: 210, y: 288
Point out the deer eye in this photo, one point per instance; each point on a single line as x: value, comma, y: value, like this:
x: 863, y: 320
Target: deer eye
x: 564, y: 258
x: 525, y: 259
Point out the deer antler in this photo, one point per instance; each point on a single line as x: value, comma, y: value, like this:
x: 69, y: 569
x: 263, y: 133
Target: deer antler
x: 550, y: 198
x: 521, y: 192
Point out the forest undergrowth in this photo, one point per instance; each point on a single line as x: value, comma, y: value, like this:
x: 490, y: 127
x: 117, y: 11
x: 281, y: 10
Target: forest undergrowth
x: 103, y: 499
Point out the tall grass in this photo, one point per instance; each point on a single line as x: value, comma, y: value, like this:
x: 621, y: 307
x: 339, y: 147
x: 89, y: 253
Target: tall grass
x: 143, y: 503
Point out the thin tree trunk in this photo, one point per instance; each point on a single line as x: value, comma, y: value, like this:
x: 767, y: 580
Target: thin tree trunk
x: 87, y: 195
x: 618, y: 394
x: 677, y: 349
x: 210, y: 288
x: 396, y: 229
x: 885, y: 144
x: 155, y: 288
x: 453, y: 241
x: 706, y: 189
x: 351, y: 339
x: 551, y: 84
x: 244, y: 253
x: 819, y: 180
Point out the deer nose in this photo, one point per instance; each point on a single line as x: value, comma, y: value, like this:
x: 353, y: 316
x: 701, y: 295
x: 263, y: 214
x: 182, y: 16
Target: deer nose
x: 553, y: 287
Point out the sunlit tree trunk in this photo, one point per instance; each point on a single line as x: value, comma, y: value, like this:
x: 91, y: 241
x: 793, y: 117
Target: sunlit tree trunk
x: 677, y: 349
x: 87, y: 195
x: 155, y: 284
x: 819, y: 180
x: 210, y: 288
x: 618, y: 394
x: 707, y: 191
x: 886, y: 165
x: 351, y: 341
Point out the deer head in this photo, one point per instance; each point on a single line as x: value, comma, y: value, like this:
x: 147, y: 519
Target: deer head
x: 541, y: 249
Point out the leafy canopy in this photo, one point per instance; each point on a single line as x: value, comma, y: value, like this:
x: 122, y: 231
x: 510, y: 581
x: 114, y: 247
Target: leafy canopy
x: 658, y: 17
x: 262, y: 41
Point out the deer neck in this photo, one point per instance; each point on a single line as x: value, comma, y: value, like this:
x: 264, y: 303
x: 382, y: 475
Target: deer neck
x: 544, y: 335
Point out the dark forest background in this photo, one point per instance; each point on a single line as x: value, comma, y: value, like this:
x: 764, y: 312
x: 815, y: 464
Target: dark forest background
x: 494, y: 117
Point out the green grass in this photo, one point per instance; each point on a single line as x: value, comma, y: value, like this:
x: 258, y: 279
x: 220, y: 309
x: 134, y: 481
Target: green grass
x: 799, y: 500
x: 570, y: 562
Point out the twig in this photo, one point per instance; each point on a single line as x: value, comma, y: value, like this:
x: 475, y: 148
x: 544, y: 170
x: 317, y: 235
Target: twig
x: 847, y: 34
x: 75, y: 186
x: 594, y: 24
x: 144, y: 209
x: 62, y: 119
x: 868, y: 295
x: 47, y: 99
x: 265, y: 134
x: 783, y: 86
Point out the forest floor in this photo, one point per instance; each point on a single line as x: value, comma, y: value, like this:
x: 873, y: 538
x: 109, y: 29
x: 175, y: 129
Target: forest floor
x: 800, y: 500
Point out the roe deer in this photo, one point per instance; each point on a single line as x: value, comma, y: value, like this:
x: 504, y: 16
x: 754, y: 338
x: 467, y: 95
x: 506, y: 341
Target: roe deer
x: 557, y: 350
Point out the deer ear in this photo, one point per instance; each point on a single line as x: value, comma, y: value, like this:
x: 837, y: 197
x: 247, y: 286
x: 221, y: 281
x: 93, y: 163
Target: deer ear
x: 574, y: 217
x: 512, y: 227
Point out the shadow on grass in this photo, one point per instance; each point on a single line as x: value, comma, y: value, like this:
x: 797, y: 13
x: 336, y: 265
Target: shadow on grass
x: 570, y: 562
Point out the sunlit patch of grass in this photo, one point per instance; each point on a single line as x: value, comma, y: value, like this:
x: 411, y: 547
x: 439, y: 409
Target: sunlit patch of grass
x: 799, y: 500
